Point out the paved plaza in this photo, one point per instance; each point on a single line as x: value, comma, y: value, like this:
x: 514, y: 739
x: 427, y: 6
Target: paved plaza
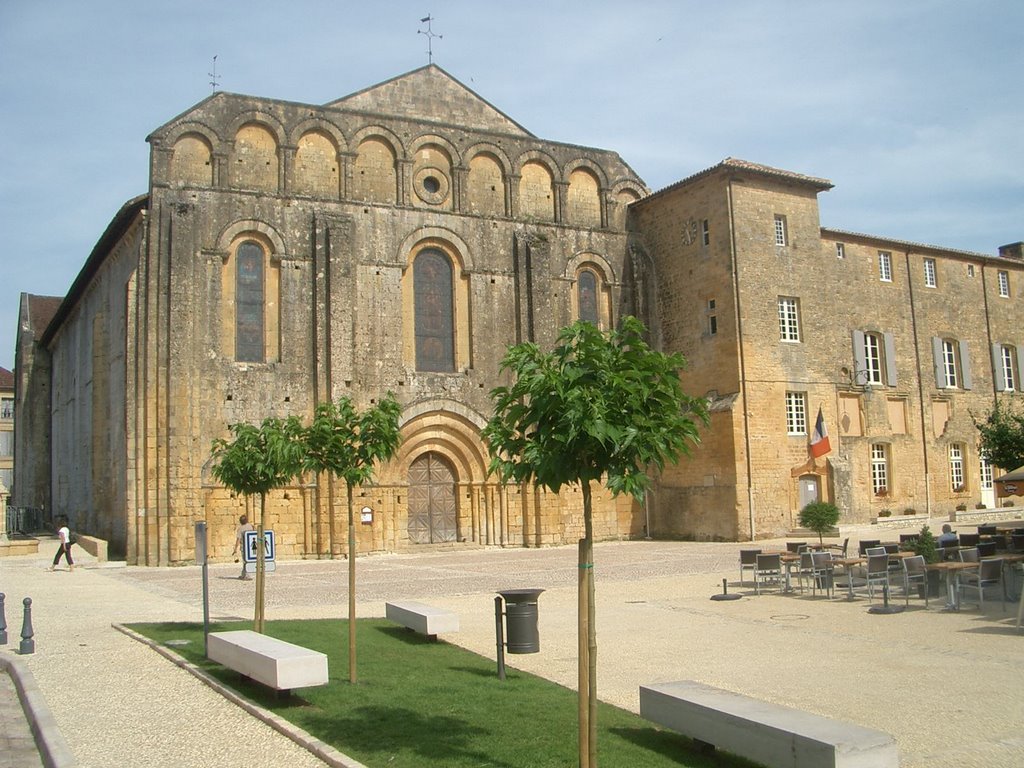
x: 946, y: 685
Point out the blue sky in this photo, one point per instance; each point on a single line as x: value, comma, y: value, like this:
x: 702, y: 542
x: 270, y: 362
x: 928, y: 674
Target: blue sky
x: 914, y: 109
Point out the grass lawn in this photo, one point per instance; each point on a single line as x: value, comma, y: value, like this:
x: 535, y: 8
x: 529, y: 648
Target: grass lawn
x: 419, y: 703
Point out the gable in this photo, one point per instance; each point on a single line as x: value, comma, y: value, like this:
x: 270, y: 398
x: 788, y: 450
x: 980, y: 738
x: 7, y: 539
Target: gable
x: 430, y: 93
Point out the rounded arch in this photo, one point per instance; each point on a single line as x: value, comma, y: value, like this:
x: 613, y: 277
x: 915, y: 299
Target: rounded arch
x: 432, y: 139
x: 380, y: 133
x: 437, y: 426
x: 436, y: 237
x: 623, y: 193
x: 586, y: 164
x: 213, y: 138
x: 591, y: 278
x: 543, y: 158
x: 242, y: 228
x: 191, y: 160
x: 320, y: 125
x: 317, y: 166
x: 595, y: 260
x: 260, y: 118
x: 486, y: 148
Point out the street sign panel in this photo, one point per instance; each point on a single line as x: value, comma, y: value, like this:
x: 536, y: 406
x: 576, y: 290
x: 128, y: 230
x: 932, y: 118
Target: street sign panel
x: 249, y: 552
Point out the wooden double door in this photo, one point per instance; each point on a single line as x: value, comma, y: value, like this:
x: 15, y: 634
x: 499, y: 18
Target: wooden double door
x: 433, y: 509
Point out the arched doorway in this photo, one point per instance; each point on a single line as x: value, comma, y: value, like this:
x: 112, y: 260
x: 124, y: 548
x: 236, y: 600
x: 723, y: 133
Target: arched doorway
x: 432, y: 506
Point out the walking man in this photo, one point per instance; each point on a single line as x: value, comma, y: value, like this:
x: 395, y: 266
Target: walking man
x: 65, y: 544
x: 243, y: 526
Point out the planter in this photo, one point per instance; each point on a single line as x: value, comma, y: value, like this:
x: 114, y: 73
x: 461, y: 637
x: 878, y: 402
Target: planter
x: 934, y: 585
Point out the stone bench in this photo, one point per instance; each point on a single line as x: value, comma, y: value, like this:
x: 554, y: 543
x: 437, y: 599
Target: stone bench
x: 94, y: 546
x: 769, y: 734
x: 275, y: 663
x: 422, y: 618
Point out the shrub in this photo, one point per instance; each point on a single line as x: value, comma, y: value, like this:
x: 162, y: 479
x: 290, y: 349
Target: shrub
x: 961, y: 507
x: 925, y: 545
x: 909, y: 511
x: 819, y: 516
x: 884, y: 512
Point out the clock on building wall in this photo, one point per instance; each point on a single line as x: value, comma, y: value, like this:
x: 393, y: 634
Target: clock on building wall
x: 690, y: 231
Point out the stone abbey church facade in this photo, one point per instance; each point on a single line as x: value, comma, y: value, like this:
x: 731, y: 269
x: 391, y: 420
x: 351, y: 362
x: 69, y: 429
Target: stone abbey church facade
x: 399, y: 239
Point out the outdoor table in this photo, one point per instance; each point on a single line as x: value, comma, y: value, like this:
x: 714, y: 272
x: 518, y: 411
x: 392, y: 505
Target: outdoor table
x: 789, y: 559
x: 848, y: 563
x: 952, y: 569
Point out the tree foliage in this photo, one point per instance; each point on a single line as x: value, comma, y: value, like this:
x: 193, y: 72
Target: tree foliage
x: 820, y: 517
x: 597, y: 405
x: 1002, y: 436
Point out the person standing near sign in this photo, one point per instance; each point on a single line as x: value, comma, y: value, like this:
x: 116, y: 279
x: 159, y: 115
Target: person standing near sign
x: 243, y: 526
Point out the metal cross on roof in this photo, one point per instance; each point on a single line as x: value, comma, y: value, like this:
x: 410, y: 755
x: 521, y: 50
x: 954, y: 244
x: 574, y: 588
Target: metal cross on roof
x: 430, y: 37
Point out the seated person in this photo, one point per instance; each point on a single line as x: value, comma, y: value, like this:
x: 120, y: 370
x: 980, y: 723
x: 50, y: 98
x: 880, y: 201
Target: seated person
x: 947, y: 538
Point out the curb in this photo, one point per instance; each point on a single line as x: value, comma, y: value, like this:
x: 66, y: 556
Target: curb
x: 321, y: 749
x: 53, y: 749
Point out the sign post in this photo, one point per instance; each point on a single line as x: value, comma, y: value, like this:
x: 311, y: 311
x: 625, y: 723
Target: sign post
x: 250, y: 553
x: 201, y: 560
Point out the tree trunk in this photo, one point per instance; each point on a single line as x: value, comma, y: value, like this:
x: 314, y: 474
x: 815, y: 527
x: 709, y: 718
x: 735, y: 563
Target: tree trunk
x: 351, y: 589
x: 587, y: 640
x: 260, y: 567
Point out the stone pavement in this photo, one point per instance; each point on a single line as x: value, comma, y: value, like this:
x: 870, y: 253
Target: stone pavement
x: 946, y: 685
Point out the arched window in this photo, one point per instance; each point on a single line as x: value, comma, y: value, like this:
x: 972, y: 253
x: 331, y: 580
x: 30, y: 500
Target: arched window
x: 586, y: 297
x: 249, y: 303
x: 434, y: 311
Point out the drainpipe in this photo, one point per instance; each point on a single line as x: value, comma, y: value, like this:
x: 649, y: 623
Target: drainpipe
x: 920, y: 391
x: 737, y: 316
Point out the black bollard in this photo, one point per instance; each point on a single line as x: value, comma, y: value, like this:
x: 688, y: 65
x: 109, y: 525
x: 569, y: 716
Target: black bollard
x: 3, y: 621
x: 28, y: 645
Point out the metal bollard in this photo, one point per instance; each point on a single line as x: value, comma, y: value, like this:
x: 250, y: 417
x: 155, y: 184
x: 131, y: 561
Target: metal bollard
x: 3, y: 621
x: 28, y: 645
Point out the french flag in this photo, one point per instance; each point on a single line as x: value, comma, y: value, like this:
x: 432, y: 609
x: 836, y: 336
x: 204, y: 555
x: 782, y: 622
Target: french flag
x: 819, y: 440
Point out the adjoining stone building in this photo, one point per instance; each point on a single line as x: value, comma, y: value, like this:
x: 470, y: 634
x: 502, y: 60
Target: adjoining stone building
x: 400, y: 239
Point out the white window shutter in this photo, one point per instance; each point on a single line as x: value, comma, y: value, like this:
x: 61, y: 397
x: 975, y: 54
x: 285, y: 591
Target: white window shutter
x: 997, y: 367
x: 965, y: 365
x: 859, y: 363
x: 890, y: 359
x: 940, y: 370
x: 1020, y: 368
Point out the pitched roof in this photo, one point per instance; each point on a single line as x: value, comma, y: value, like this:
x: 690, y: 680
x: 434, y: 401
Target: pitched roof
x: 430, y: 93
x: 735, y: 164
x: 6, y: 379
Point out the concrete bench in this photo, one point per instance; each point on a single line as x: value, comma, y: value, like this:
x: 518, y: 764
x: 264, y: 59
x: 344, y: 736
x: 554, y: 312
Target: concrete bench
x: 769, y: 734
x: 275, y: 663
x: 422, y: 618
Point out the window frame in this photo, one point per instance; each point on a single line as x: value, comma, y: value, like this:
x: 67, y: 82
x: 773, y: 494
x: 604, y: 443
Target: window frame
x: 885, y: 266
x: 6, y: 408
x: 880, y: 470
x: 448, y: 361
x: 781, y: 231
x: 789, y: 319
x: 957, y: 478
x: 840, y: 250
x: 930, y: 273
x: 1003, y: 278
x: 796, y: 413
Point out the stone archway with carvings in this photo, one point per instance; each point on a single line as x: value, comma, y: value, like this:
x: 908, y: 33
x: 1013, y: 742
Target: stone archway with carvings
x: 433, y: 502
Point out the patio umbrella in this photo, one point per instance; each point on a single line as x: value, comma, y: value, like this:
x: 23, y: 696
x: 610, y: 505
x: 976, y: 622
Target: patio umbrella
x: 1010, y: 484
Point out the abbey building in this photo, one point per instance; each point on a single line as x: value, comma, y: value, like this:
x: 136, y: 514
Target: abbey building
x: 401, y: 238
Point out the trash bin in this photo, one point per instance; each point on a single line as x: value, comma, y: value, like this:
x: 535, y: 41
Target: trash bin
x: 522, y: 635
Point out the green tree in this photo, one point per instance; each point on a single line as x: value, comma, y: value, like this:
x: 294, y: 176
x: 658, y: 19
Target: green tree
x: 1002, y: 436
x: 347, y: 444
x: 258, y: 460
x: 598, y: 406
x: 819, y: 516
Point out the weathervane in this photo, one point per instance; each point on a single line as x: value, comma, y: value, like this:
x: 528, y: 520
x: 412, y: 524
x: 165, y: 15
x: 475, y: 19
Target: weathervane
x: 214, y: 77
x: 430, y: 37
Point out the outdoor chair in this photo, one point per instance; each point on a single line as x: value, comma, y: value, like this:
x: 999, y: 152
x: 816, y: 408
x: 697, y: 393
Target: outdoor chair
x: 986, y: 530
x: 969, y: 555
x: 914, y: 571
x: 1017, y: 542
x: 989, y: 574
x: 907, y: 539
x: 795, y: 546
x: 986, y: 548
x: 866, y: 544
x: 748, y: 561
x: 821, y: 573
x: 839, y: 551
x: 768, y: 570
x: 877, y: 572
x: 894, y: 562
x: 806, y: 568
x: 969, y: 539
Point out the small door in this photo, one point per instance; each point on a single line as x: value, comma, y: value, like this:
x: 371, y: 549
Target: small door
x: 988, y: 488
x: 810, y: 489
x: 432, y: 505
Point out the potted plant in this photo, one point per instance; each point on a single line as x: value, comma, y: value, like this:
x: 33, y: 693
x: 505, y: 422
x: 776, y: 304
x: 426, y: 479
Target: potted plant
x: 925, y: 546
x: 819, y: 516
x: 884, y: 512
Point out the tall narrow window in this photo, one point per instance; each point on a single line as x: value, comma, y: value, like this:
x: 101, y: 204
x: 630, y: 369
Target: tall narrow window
x: 949, y: 363
x: 705, y: 232
x: 789, y: 319
x: 6, y: 408
x: 434, y: 312
x: 712, y: 317
x: 956, y: 467
x: 872, y: 359
x: 879, y: 469
x: 1004, y: 283
x: 985, y: 473
x: 1005, y: 363
x: 840, y: 251
x: 780, y: 230
x: 586, y: 297
x: 796, y: 413
x: 249, y: 303
x: 929, y: 273
x: 885, y: 266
